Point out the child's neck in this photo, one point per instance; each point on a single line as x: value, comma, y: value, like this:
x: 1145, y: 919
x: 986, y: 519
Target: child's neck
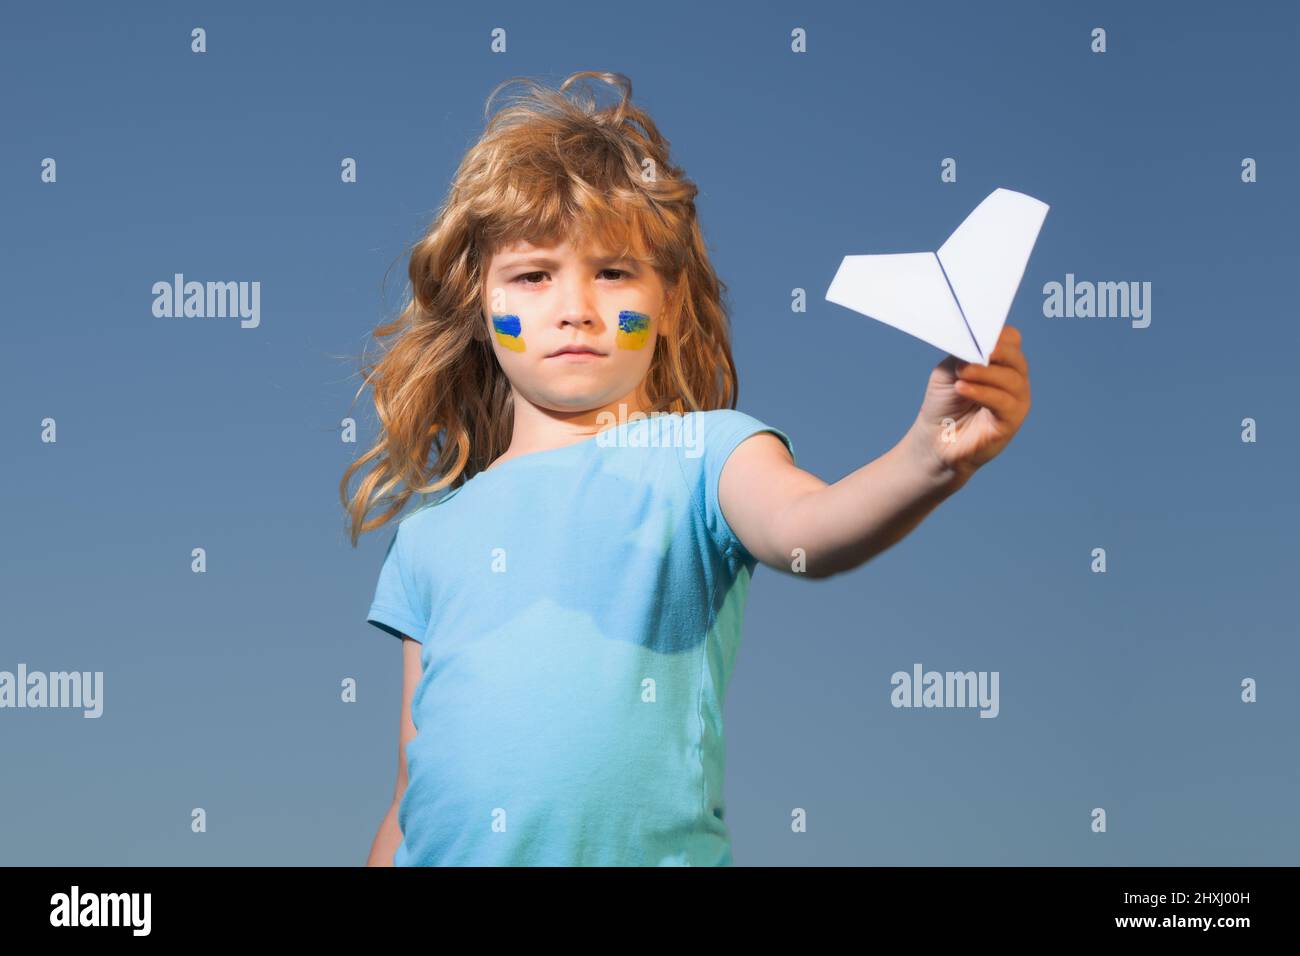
x: 541, y: 429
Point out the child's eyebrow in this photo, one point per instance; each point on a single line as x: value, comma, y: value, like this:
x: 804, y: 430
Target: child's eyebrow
x: 547, y: 263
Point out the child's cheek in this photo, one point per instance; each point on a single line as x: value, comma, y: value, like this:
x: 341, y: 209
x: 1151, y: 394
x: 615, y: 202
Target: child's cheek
x: 507, y: 331
x: 633, y: 329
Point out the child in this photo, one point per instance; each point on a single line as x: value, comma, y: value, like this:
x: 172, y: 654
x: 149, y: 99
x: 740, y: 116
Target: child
x: 570, y: 600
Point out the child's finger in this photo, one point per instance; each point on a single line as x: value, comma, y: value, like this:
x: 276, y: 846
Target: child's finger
x: 1007, y: 351
x: 1011, y: 357
x: 1009, y: 337
x: 1005, y: 377
x: 1001, y: 403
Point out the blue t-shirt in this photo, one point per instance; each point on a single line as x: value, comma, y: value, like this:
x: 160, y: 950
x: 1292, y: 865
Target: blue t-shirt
x: 579, y: 611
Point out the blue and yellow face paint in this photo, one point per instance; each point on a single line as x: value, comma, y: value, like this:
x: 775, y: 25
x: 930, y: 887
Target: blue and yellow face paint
x: 633, y: 329
x: 507, y: 331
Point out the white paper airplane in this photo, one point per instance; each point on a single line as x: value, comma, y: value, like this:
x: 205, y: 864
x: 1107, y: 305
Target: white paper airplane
x: 957, y: 299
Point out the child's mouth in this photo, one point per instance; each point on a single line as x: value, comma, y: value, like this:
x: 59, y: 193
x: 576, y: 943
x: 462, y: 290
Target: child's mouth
x: 577, y: 356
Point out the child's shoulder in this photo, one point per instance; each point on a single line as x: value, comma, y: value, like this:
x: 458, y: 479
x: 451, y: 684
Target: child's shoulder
x: 428, y: 501
x: 722, y: 429
x: 720, y: 419
x: 704, y: 431
x: 725, y: 415
x: 722, y: 426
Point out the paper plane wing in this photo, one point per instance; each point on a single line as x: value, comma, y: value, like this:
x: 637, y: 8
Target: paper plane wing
x: 907, y: 291
x: 985, y: 260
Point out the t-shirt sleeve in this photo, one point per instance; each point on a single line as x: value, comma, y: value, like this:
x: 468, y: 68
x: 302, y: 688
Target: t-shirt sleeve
x: 721, y: 432
x: 396, y: 607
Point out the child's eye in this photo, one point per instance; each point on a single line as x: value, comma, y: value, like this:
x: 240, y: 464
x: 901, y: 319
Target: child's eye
x: 525, y: 277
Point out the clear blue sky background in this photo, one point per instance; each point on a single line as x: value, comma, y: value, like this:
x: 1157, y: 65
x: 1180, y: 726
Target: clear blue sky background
x: 1119, y: 690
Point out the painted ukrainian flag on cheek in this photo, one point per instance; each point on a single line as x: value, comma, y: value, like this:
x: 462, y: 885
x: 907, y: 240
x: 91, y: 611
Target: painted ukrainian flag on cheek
x: 507, y: 330
x: 633, y: 329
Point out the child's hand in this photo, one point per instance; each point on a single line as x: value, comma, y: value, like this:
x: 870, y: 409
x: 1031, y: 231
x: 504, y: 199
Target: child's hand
x: 986, y: 404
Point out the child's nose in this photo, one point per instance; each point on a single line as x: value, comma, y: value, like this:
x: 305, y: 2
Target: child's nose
x: 578, y: 312
x: 578, y: 307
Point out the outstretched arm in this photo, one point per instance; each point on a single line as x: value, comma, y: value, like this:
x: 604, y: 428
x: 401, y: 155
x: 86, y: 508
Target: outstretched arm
x: 969, y: 414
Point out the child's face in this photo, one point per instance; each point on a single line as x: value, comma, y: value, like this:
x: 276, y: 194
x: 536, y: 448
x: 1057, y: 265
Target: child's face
x: 543, y: 299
